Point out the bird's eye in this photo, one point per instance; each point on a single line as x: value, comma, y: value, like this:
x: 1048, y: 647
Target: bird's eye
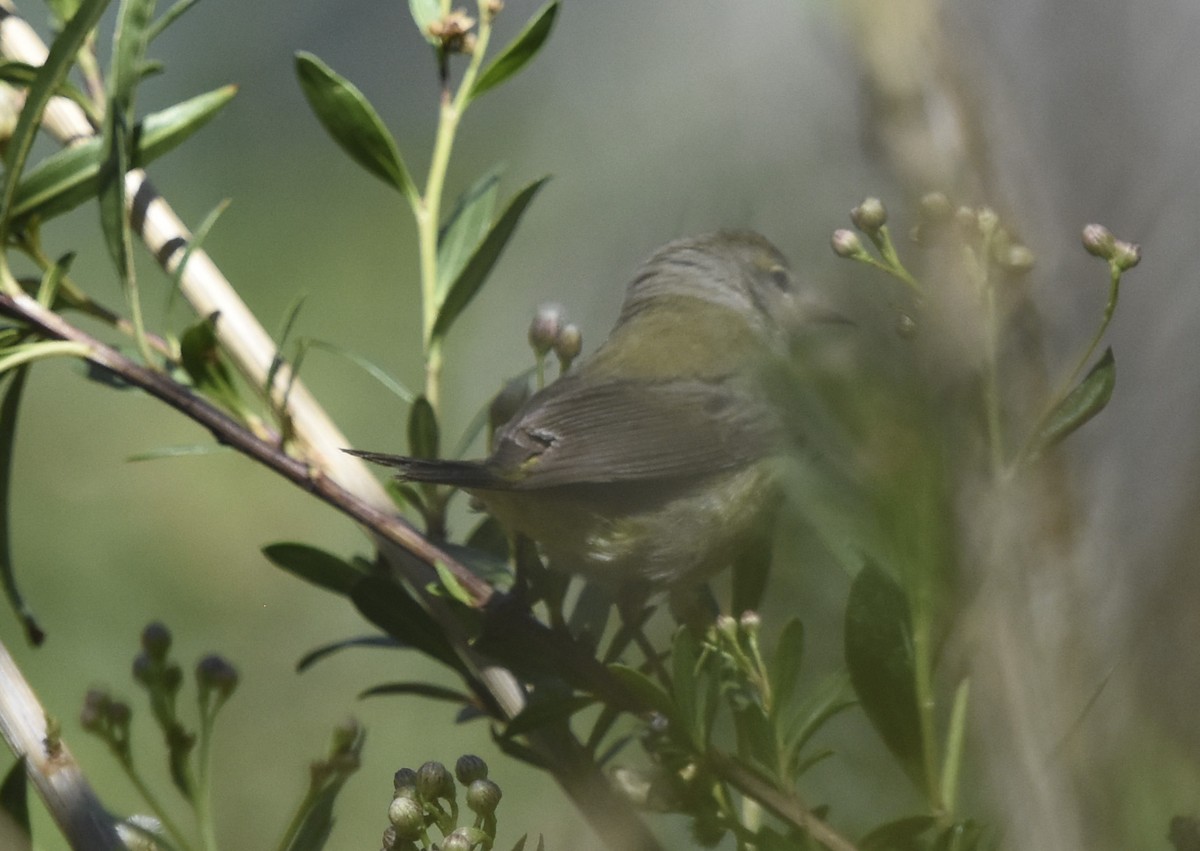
x: 780, y: 278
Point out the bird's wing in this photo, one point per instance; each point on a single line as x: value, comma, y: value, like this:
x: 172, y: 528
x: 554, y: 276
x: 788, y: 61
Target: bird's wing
x: 587, y: 432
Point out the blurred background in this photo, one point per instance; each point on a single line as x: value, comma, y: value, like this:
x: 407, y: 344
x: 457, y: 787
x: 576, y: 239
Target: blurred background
x: 656, y: 120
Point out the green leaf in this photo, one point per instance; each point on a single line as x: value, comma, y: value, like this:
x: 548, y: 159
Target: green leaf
x: 193, y: 245
x: 476, y: 270
x: 514, y: 57
x: 685, y: 686
x: 169, y: 17
x: 201, y: 358
x: 349, y: 118
x: 52, y: 280
x: 900, y: 835
x: 1088, y: 398
x: 750, y: 572
x: 181, y: 451
x: 312, y: 824
x: 14, y: 808
x: 317, y: 654
x: 424, y: 13
x: 387, y: 606
x: 879, y: 655
x: 545, y: 712
x: 786, y: 665
x: 71, y: 176
x: 9, y: 406
x: 113, y: 222
x: 373, y: 370
x: 23, y: 74
x: 50, y: 77
x: 322, y: 569
x: 422, y: 430
x: 451, y: 584
x: 130, y: 39
x: 520, y: 846
x: 428, y: 690
x: 643, y: 689
x: 62, y: 10
x: 465, y: 228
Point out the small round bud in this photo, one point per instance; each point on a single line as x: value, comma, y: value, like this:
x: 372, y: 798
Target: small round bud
x: 144, y: 669
x: 494, y: 7
x: 171, y: 678
x: 967, y: 219
x: 119, y: 713
x: 407, y: 817
x: 846, y: 244
x: 95, y: 710
x: 568, y: 344
x: 1017, y: 259
x: 750, y: 621
x: 156, y: 641
x: 906, y: 326
x: 454, y: 32
x: 434, y: 781
x: 544, y: 328
x: 869, y: 216
x: 1098, y: 241
x: 988, y: 220
x: 1126, y: 255
x: 215, y: 672
x: 458, y: 840
x: 935, y: 208
x: 345, y: 735
x: 727, y: 626
x: 405, y: 783
x: 483, y: 796
x: 470, y: 768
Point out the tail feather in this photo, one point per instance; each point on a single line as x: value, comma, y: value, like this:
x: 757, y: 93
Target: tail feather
x: 462, y: 474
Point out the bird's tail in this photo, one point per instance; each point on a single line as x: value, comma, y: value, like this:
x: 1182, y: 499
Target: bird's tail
x: 462, y: 474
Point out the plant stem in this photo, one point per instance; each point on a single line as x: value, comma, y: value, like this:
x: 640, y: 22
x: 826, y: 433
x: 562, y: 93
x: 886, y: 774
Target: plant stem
x: 202, y: 799
x: 177, y: 836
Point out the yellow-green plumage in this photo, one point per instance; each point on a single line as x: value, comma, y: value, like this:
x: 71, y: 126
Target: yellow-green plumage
x: 652, y: 459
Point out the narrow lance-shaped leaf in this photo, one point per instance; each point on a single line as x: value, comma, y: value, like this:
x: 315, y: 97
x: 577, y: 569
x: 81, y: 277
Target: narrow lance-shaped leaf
x: 879, y: 656
x: 322, y: 569
x: 477, y: 269
x: 23, y: 74
x: 465, y: 228
x: 522, y: 49
x: 69, y: 177
x: 309, y: 829
x: 422, y: 430
x: 113, y: 222
x: 1089, y: 398
x: 168, y: 17
x: 349, y: 118
x: 59, y: 61
x: 8, y: 431
x: 786, y: 664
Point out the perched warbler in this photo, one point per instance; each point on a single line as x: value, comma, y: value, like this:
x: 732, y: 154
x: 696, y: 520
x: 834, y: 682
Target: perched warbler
x: 651, y: 459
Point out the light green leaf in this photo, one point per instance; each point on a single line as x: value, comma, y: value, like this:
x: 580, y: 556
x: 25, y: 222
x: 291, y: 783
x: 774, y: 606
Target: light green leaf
x: 372, y: 369
x: 193, y: 245
x: 182, y: 451
x: 424, y: 13
x: 1089, y: 398
x: 168, y: 17
x: 465, y: 228
x: 349, y: 118
x: 477, y: 269
x: 50, y: 77
x: 514, y: 57
x: 23, y: 74
x: 69, y: 177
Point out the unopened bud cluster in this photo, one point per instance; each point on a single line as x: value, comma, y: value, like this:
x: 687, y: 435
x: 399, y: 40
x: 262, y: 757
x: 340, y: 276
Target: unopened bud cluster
x: 550, y: 332
x: 106, y: 717
x: 427, y: 798
x: 453, y: 32
x: 1099, y: 242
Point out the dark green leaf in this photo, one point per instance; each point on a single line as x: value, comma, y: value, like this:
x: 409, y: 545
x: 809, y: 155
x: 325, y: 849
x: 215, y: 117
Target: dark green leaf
x: 130, y: 38
x: 424, y: 13
x: 201, y: 358
x: 514, y: 57
x: 429, y: 690
x: 826, y: 701
x: 52, y: 280
x: 322, y: 569
x: 786, y: 665
x: 1087, y: 399
x: 643, y: 689
x: 387, y: 606
x: 685, y: 688
x: 23, y: 74
x: 115, y: 163
x: 14, y: 808
x: 316, y: 655
x: 9, y: 407
x: 476, y: 270
x: 465, y: 228
x: 900, y: 835
x: 422, y: 430
x: 349, y: 118
x: 755, y: 736
x: 879, y: 655
x: 546, y: 712
x: 750, y: 572
x: 71, y: 176
x: 51, y: 76
x: 491, y: 568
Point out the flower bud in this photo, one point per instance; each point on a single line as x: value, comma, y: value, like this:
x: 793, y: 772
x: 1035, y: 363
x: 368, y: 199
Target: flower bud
x: 407, y: 817
x: 568, y: 344
x: 434, y: 781
x: 214, y: 672
x: 458, y: 840
x: 156, y: 641
x: 869, y: 216
x: 906, y: 326
x: 987, y: 219
x: 1098, y: 241
x: 171, y: 678
x: 935, y: 207
x: 119, y: 714
x: 95, y: 710
x: 544, y: 328
x: 483, y: 796
x: 454, y: 32
x: 1126, y: 255
x: 1017, y: 259
x: 750, y: 621
x: 470, y: 768
x: 144, y: 669
x: 847, y: 244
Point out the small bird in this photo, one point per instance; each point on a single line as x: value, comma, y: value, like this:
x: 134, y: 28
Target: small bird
x: 652, y: 460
